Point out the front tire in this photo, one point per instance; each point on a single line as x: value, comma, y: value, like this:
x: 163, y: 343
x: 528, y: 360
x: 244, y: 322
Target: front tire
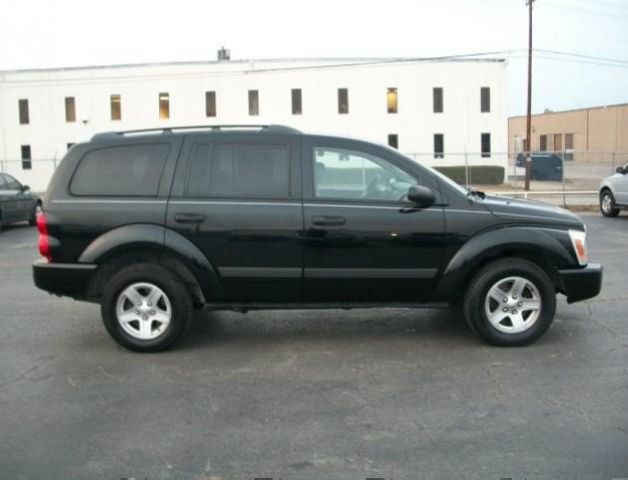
x: 510, y: 302
x: 146, y: 308
x: 607, y: 204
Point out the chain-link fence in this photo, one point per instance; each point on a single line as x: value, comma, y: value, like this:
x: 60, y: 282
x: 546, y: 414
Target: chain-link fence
x: 562, y: 177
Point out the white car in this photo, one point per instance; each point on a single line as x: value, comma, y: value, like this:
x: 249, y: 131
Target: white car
x: 614, y: 192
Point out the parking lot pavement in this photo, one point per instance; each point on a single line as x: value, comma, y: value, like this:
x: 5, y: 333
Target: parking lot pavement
x: 319, y: 394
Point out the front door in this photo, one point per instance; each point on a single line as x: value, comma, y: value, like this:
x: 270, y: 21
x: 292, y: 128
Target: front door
x: 239, y: 201
x: 364, y: 242
x: 10, y: 201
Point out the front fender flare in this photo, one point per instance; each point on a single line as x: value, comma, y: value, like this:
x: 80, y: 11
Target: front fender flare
x: 549, y: 246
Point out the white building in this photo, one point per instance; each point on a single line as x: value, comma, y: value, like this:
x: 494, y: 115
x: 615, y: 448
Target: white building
x: 424, y: 106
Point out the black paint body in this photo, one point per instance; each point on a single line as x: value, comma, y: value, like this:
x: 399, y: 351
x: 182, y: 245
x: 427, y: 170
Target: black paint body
x: 299, y: 250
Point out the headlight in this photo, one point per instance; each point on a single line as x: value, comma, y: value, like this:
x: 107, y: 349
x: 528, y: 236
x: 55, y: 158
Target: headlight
x: 579, y: 242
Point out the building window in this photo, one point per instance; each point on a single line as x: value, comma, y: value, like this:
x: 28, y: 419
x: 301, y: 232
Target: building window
x: 70, y: 145
x: 253, y: 102
x: 391, y: 100
x: 485, y: 99
x: 210, y: 104
x: 115, y: 103
x: 543, y: 143
x: 568, y: 141
x: 568, y: 147
x: 393, y: 140
x: 343, y: 100
x: 486, y: 145
x: 437, y: 95
x: 24, y: 116
x: 70, y: 109
x: 297, y: 108
x: 558, y: 142
x: 164, y: 106
x: 439, y: 145
x: 26, y: 157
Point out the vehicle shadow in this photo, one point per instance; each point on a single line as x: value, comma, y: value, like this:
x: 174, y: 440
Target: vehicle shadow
x: 428, y: 325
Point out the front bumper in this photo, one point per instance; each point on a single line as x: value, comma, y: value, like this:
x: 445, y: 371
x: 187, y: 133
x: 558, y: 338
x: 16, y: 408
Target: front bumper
x: 581, y: 283
x: 67, y: 279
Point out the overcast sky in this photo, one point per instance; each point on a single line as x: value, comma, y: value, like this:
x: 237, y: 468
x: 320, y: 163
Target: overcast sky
x: 54, y: 33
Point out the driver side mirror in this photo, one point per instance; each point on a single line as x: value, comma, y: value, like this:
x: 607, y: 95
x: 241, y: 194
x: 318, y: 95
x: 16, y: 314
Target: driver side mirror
x: 620, y: 170
x: 25, y: 188
x: 421, y: 196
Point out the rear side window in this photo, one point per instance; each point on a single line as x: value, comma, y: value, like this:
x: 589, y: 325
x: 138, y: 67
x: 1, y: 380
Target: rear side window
x: 130, y: 170
x: 251, y: 170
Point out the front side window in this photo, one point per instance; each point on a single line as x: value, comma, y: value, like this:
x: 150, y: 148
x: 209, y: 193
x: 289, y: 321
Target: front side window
x: 352, y: 175
x: 130, y: 170
x: 11, y: 183
x: 241, y: 171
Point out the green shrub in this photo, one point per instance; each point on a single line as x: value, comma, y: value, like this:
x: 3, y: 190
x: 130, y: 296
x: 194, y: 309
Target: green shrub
x: 478, y: 174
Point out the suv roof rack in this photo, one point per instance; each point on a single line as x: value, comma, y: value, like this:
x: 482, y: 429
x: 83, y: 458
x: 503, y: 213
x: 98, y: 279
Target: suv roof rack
x: 271, y: 128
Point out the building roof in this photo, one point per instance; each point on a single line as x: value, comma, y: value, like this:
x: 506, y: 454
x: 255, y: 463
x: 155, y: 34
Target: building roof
x: 597, y: 107
x: 324, y: 62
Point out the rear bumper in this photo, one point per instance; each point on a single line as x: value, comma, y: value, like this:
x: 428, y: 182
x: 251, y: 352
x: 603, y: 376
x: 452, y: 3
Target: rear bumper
x: 582, y: 283
x: 67, y: 279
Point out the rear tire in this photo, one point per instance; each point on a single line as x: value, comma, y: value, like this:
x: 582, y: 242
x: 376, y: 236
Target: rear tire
x: 510, y: 302
x: 146, y: 308
x: 607, y: 204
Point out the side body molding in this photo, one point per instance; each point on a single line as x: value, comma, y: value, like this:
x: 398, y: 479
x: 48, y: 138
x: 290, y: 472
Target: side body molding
x: 536, y: 242
x: 146, y: 235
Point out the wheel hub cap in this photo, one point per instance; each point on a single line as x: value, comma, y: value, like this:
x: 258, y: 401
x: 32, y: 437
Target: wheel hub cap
x: 143, y: 311
x: 513, y: 305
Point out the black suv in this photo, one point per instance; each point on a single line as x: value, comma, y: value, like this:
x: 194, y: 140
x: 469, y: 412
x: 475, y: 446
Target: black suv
x: 151, y: 224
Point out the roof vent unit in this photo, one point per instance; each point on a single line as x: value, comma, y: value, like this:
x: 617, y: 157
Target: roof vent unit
x: 224, y: 54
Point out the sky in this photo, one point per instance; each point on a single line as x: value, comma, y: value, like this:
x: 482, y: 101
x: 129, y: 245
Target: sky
x: 61, y: 33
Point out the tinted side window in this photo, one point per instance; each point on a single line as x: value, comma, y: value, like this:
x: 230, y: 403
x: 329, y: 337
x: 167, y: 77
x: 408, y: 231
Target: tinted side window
x: 11, y: 183
x: 131, y: 170
x: 261, y: 171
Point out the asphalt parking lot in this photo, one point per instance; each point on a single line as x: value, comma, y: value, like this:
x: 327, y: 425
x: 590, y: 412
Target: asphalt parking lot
x: 393, y: 393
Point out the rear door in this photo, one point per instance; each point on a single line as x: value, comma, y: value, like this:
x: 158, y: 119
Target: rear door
x: 238, y: 198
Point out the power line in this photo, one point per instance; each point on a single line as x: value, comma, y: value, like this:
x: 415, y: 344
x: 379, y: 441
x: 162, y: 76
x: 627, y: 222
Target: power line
x: 595, y: 3
x: 588, y: 12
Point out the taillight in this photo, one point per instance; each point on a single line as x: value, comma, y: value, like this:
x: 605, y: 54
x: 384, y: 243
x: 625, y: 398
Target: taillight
x: 44, y: 242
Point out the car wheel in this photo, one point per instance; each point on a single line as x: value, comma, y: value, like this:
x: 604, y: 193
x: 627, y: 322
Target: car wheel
x: 146, y: 308
x: 32, y: 220
x: 607, y: 204
x: 510, y: 302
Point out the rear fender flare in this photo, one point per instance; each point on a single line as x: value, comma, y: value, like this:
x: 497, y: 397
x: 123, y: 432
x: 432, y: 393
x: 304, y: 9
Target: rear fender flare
x: 169, y: 242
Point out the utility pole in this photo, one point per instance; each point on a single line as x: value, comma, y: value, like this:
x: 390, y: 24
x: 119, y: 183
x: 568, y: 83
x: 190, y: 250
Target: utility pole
x: 528, y: 163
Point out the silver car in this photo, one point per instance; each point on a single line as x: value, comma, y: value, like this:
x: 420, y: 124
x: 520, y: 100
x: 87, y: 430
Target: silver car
x: 614, y: 192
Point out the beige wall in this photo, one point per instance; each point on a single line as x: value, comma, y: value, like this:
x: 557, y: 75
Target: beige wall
x: 599, y: 131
